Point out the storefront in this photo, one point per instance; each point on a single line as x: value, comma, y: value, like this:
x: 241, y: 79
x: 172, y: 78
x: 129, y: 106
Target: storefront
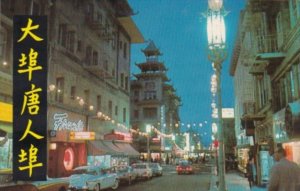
x: 287, y: 130
x: 6, y: 130
x: 114, y: 150
x: 65, y: 152
x: 243, y: 157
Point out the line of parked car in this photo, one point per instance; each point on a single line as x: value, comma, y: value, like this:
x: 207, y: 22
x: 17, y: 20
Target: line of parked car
x: 86, y: 178
x: 96, y: 178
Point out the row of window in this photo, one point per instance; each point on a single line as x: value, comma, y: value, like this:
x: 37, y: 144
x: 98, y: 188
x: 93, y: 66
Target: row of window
x: 59, y: 97
x: 287, y: 89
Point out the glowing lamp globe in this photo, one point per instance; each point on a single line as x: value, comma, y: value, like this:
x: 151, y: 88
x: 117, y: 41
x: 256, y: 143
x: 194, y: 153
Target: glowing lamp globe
x: 215, y: 5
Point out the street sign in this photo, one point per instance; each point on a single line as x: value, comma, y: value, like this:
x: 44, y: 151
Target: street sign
x: 84, y: 135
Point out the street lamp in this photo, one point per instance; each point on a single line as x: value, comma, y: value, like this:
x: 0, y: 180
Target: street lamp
x: 217, y: 54
x: 148, y: 130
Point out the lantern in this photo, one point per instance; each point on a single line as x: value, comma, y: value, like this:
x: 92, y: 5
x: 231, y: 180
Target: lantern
x: 215, y: 5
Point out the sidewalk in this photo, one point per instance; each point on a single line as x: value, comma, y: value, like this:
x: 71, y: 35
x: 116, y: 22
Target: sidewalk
x: 234, y: 182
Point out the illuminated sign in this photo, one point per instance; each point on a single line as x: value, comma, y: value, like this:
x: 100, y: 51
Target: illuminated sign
x: 6, y: 112
x: 84, y: 135
x: 227, y: 113
x: 30, y: 98
x: 61, y: 122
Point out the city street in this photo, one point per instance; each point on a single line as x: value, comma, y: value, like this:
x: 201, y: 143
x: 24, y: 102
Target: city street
x: 170, y: 181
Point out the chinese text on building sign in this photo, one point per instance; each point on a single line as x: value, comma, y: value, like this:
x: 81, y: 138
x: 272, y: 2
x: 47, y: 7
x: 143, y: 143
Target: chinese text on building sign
x: 30, y: 98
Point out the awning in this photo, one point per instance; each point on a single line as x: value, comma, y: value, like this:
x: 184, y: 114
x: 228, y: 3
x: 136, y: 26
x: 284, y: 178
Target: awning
x: 99, y: 147
x: 128, y: 149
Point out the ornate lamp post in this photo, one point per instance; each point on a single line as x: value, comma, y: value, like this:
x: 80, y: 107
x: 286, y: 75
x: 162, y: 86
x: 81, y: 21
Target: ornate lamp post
x: 217, y: 54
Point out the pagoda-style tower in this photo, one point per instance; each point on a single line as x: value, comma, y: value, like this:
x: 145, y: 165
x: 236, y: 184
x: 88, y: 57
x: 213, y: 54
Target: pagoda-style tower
x: 150, y: 103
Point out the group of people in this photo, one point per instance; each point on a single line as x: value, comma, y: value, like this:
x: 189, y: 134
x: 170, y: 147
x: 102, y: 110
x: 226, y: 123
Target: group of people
x: 284, y: 175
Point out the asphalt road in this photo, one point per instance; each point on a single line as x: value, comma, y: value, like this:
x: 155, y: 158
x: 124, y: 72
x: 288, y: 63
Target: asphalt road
x: 170, y: 181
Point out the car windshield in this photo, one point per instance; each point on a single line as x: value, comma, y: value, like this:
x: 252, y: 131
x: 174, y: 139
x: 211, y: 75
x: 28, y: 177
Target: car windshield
x: 84, y: 171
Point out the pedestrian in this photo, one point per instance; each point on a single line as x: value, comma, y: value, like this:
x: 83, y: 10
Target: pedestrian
x: 285, y: 174
x: 249, y: 173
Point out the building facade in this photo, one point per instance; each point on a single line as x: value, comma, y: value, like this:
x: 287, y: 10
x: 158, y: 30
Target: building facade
x: 88, y: 78
x: 274, y: 62
x: 154, y: 102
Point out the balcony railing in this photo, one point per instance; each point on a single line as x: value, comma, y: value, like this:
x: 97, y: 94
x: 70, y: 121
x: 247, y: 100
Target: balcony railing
x: 267, y: 44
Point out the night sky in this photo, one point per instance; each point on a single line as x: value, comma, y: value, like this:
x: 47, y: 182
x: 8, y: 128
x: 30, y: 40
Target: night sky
x: 178, y: 29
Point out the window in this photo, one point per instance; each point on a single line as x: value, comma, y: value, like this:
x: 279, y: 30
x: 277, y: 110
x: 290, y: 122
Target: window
x: 98, y: 102
x: 95, y: 58
x: 150, y: 113
x: 126, y: 83
x: 124, y: 115
x: 149, y: 95
x: 62, y: 35
x: 88, y: 55
x: 136, y: 114
x: 106, y: 65
x: 73, y: 92
x: 87, y: 98
x: 122, y: 80
x: 125, y: 50
x: 59, y: 97
x: 116, y: 110
x: 110, y: 108
x: 79, y: 46
x: 71, y: 41
x: 121, y: 45
x: 36, y: 8
x: 3, y: 41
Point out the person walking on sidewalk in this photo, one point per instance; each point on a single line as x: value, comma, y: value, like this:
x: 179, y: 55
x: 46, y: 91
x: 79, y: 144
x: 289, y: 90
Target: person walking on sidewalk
x: 285, y: 175
x: 249, y: 173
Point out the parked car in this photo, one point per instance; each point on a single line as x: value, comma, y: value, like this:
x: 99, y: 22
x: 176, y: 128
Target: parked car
x: 92, y: 178
x: 8, y: 184
x: 156, y: 169
x: 125, y: 173
x: 184, y: 167
x: 143, y: 170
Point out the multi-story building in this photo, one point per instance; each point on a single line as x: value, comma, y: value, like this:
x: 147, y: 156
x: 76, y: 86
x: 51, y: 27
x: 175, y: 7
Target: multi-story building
x: 274, y: 63
x: 88, y: 77
x: 153, y: 102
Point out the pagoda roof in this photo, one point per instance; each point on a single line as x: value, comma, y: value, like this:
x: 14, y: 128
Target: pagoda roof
x: 152, y: 66
x: 152, y: 75
x: 151, y: 49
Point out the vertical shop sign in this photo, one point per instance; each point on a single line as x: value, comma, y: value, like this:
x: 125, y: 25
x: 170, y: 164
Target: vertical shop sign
x: 30, y: 98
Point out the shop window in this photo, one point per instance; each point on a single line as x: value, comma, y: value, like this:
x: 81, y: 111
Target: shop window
x: 59, y: 97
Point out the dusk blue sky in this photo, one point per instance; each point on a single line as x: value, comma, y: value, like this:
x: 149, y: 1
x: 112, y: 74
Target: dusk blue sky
x: 178, y: 29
